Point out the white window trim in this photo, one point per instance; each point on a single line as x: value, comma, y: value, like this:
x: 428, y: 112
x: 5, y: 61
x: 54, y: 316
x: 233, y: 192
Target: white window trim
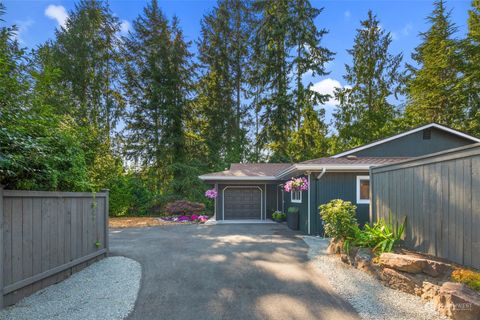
x: 361, y: 201
x: 295, y: 201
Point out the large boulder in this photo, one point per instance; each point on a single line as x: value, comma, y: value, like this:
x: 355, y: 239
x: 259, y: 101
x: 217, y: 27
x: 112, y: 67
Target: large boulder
x: 402, y: 262
x: 457, y: 301
x: 401, y: 281
x: 415, y: 264
x: 363, y: 261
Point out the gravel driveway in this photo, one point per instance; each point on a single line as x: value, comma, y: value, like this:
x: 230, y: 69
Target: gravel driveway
x: 227, y: 272
x: 369, y: 297
x: 106, y: 290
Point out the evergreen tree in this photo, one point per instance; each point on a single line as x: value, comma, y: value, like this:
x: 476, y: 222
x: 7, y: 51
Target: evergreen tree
x: 471, y: 74
x: 272, y: 77
x: 86, y: 52
x: 433, y: 87
x: 223, y: 55
x: 364, y: 112
x: 158, y: 86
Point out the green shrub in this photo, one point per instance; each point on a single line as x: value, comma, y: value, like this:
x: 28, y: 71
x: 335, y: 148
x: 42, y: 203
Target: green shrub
x: 339, y: 218
x: 382, y: 236
x: 292, y: 210
x: 278, y: 215
x: 468, y: 277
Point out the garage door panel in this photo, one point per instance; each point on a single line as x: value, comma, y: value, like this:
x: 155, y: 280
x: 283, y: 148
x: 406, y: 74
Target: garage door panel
x: 242, y: 203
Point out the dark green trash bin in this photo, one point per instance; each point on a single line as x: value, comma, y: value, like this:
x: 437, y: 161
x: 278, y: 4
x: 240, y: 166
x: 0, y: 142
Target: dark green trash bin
x: 292, y: 218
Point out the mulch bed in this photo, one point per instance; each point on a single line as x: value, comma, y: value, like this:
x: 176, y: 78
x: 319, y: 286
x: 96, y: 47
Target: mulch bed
x: 139, y: 222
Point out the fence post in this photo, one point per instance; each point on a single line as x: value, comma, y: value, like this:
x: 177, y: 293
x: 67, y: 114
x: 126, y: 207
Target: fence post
x: 106, y: 191
x: 1, y: 246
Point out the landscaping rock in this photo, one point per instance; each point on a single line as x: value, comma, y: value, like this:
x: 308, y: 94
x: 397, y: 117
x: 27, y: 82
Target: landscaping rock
x: 437, y: 268
x: 457, y: 301
x: 430, y: 291
x: 344, y: 258
x: 363, y: 261
x: 335, y: 247
x: 401, y: 281
x: 402, y: 262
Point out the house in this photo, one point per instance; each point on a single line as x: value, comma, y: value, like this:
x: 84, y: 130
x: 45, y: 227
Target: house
x: 255, y: 190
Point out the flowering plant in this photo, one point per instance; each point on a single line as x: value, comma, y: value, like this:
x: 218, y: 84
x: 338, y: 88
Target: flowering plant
x: 296, y: 184
x: 192, y: 218
x: 211, y: 194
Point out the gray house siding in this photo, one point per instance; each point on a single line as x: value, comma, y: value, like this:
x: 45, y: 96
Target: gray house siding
x: 337, y: 185
x: 269, y: 196
x: 414, y: 145
x: 302, y: 207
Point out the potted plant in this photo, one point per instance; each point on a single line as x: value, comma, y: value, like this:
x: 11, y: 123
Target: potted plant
x: 279, y: 216
x: 292, y: 218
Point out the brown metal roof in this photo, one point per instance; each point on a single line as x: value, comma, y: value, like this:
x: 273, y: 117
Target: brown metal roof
x: 355, y: 160
x: 252, y: 170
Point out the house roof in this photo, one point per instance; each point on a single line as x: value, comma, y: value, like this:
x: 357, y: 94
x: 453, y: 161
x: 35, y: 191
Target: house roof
x: 248, y: 171
x: 355, y: 160
x: 430, y: 125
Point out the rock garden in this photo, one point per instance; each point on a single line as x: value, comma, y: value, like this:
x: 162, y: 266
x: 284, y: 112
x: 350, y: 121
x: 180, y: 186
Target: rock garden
x: 377, y: 250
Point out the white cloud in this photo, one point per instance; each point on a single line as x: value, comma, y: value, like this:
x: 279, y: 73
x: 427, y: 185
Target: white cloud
x: 124, y: 26
x: 327, y: 86
x: 407, y: 29
x: 347, y: 14
x: 57, y: 13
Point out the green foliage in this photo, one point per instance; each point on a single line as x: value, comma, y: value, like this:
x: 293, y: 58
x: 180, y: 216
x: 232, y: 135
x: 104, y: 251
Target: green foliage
x: 381, y: 236
x: 365, y: 113
x: 433, y: 88
x: 340, y: 219
x: 293, y: 210
x: 278, y: 215
x: 469, y: 277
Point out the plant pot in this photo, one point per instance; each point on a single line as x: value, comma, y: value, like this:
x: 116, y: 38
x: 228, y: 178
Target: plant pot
x: 292, y: 220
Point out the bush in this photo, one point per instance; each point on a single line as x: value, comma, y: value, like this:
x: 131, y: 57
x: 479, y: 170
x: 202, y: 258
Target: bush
x: 339, y: 218
x: 278, y: 215
x: 184, y: 207
x: 292, y: 210
x: 468, y: 277
x: 381, y: 236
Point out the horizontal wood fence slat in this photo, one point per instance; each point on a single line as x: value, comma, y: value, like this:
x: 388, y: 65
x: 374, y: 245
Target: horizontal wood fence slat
x: 440, y: 196
x: 46, y: 236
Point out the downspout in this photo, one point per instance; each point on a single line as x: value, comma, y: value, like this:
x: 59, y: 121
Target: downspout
x: 309, y: 213
x: 319, y: 177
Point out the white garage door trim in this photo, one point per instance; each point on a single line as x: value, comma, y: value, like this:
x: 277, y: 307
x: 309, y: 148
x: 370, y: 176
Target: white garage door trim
x: 238, y: 187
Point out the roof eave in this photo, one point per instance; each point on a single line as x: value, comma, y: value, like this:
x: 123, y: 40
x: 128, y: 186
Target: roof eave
x: 236, y: 178
x: 434, y: 125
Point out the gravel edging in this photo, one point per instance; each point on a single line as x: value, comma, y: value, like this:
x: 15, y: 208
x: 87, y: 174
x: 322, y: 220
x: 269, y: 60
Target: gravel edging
x: 370, y: 298
x: 105, y: 290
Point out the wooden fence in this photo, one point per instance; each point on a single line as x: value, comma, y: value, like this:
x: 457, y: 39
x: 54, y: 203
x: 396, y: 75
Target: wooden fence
x: 46, y: 236
x: 440, y: 196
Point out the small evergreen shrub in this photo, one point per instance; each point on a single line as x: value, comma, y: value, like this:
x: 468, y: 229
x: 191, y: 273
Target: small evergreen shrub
x: 468, y: 277
x: 279, y: 216
x: 340, y: 220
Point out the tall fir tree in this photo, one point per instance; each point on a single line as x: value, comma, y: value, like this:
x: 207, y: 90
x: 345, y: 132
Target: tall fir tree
x: 310, y: 57
x: 287, y: 45
x: 272, y: 77
x: 223, y: 56
x: 433, y: 87
x: 158, y: 84
x: 471, y: 72
x: 364, y: 112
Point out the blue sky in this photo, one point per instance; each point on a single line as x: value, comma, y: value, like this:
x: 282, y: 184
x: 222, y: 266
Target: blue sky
x: 38, y: 19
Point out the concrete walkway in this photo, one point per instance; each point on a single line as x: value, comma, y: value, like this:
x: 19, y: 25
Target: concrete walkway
x: 227, y: 272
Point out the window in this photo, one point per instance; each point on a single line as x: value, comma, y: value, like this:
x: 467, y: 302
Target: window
x: 363, y: 189
x: 296, y: 196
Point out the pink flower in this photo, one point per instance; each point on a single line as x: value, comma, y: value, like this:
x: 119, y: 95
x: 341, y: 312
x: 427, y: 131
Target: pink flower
x: 211, y: 194
x: 296, y: 184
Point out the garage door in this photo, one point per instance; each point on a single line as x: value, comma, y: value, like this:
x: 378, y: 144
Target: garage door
x: 242, y: 203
